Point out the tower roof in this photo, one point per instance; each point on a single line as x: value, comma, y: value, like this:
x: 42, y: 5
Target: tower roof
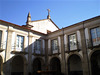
x: 28, y: 18
x: 29, y: 15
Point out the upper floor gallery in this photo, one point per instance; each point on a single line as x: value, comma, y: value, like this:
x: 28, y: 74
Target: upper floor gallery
x: 23, y: 38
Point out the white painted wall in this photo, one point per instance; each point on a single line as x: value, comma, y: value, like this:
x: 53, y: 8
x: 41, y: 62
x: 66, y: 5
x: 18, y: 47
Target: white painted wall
x: 26, y: 43
x: 43, y: 26
x: 65, y: 39
x: 79, y: 39
x: 43, y: 46
x: 49, y: 46
x: 26, y: 56
x: 33, y: 40
x: 65, y: 42
x: 87, y: 35
x: 5, y: 39
x: 59, y: 43
x: 13, y: 41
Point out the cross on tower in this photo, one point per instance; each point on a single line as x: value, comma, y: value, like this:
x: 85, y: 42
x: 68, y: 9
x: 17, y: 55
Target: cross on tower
x: 48, y: 13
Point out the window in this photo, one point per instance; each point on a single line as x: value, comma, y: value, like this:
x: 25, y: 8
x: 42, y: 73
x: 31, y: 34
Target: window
x: 72, y: 42
x: 54, y: 44
x: 0, y: 38
x: 37, y: 46
x: 20, y: 42
x: 95, y: 33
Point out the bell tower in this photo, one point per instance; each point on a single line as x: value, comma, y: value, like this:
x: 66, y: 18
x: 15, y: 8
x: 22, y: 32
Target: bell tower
x: 28, y: 18
x: 28, y: 21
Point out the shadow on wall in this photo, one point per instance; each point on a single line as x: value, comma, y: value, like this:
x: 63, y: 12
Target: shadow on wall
x: 18, y: 64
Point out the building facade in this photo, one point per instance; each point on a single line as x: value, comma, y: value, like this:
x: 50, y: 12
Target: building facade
x: 40, y: 47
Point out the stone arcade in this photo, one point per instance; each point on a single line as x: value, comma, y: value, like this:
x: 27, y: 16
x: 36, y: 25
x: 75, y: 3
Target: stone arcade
x: 40, y: 46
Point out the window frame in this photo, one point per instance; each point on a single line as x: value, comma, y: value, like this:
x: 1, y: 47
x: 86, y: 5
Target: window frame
x: 20, y: 48
x: 36, y: 46
x: 95, y: 36
x: 69, y: 42
x: 52, y: 45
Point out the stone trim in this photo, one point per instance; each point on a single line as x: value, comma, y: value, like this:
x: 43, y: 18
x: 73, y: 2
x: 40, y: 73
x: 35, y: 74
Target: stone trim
x: 17, y: 52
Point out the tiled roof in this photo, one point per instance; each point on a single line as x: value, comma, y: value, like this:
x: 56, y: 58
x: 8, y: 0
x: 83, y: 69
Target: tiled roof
x: 22, y: 27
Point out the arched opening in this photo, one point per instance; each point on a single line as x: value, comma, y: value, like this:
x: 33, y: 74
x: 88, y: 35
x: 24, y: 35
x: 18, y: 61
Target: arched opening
x: 55, y: 65
x: 95, y: 63
x: 74, y: 65
x: 36, y: 66
x: 17, y: 66
x: 1, y: 64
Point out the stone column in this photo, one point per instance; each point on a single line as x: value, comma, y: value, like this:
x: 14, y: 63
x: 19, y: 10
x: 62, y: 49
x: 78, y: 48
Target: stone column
x: 85, y: 54
x: 9, y: 41
x: 25, y: 68
x: 46, y: 52
x: 7, y: 65
x: 2, y: 73
x: 63, y: 64
x: 30, y: 54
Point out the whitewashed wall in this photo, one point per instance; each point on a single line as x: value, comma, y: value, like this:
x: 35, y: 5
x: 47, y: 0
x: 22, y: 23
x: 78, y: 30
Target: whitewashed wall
x: 26, y: 42
x: 43, y: 46
x: 3, y: 28
x: 79, y: 39
x: 13, y: 40
x: 5, y: 39
x: 49, y: 46
x: 65, y: 42
x: 59, y: 43
x: 33, y: 40
x: 87, y: 35
x: 43, y: 26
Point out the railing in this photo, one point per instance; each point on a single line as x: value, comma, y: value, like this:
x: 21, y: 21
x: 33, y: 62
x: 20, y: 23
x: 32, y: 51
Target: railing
x: 53, y: 52
x: 39, y: 52
x: 78, y: 46
x: 16, y: 50
x: 49, y: 51
x: 89, y: 44
x: 3, y: 45
x: 67, y: 47
x: 13, y: 46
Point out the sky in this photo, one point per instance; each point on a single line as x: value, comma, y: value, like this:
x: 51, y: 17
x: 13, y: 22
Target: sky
x: 63, y: 12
